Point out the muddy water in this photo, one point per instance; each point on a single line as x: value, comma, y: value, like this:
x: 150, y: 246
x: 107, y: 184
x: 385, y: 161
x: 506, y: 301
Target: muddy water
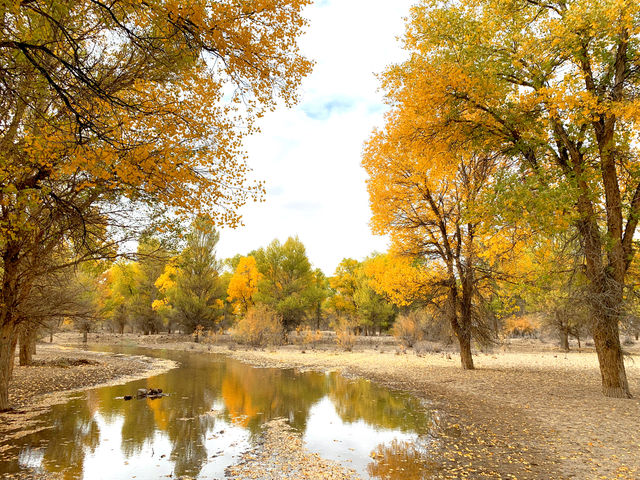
x: 214, y: 412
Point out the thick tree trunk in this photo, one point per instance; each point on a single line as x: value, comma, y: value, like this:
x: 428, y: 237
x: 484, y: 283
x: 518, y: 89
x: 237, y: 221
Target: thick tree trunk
x: 84, y: 337
x: 606, y: 337
x: 8, y: 341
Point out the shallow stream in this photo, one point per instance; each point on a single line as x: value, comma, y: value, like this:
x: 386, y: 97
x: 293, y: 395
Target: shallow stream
x: 214, y: 411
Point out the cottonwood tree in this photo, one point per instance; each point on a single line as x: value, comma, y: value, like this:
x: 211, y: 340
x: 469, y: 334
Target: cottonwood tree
x: 425, y: 196
x: 243, y: 285
x: 191, y: 282
x: 553, y: 85
x: 112, y: 110
x: 355, y: 300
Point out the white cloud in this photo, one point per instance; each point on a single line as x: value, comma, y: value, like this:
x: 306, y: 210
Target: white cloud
x: 310, y: 156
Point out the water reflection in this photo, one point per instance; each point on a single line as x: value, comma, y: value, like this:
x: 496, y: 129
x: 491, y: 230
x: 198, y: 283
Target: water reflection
x: 214, y: 412
x: 401, y: 459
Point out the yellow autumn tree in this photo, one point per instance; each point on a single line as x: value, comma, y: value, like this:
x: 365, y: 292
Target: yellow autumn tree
x: 427, y: 197
x: 115, y: 113
x: 243, y: 285
x: 553, y: 86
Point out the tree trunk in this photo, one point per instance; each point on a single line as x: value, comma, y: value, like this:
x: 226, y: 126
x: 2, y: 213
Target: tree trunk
x: 606, y: 338
x: 564, y: 339
x: 27, y: 338
x: 8, y: 341
x: 465, y: 352
x: 84, y: 337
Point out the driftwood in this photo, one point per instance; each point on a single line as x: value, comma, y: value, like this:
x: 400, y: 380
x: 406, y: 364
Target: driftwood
x: 147, y: 393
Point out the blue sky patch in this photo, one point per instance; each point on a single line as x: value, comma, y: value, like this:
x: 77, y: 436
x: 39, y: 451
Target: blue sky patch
x: 322, y: 109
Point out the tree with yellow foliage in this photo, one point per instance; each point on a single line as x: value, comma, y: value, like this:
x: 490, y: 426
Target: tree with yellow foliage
x: 425, y: 197
x: 114, y: 113
x: 553, y: 86
x: 243, y: 285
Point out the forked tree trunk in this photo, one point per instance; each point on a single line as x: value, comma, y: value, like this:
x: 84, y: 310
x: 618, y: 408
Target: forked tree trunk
x: 8, y: 341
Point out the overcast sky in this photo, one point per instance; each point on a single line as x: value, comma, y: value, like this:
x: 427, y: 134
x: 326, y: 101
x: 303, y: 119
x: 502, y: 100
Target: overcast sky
x: 309, y: 156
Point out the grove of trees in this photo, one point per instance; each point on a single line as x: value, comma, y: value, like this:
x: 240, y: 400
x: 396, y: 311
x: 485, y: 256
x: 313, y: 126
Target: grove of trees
x: 505, y: 175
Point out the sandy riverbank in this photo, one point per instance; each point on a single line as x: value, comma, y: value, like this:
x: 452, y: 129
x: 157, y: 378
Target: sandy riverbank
x: 59, y: 370
x: 526, y: 412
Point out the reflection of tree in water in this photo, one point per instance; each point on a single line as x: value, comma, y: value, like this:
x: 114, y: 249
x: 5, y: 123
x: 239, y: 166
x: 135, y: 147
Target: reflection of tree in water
x: 182, y: 416
x: 76, y: 433
x: 363, y: 400
x: 254, y: 396
x: 400, y: 460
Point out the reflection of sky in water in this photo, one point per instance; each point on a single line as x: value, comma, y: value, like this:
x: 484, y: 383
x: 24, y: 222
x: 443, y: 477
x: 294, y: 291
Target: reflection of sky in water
x: 213, y: 415
x: 348, y: 443
x: 154, y: 461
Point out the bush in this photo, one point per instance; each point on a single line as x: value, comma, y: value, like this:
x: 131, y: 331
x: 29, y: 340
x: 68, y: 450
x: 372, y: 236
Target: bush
x: 260, y: 327
x: 524, y: 326
x: 345, y: 338
x: 308, y: 338
x: 409, y: 328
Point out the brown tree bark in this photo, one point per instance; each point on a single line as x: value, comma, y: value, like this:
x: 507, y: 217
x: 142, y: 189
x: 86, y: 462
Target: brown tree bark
x: 460, y: 319
x: 8, y: 341
x: 27, y: 338
x: 606, y: 337
x: 466, y: 358
x: 564, y: 339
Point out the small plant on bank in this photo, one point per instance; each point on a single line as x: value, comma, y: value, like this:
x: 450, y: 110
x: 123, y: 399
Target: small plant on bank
x: 345, y: 338
x: 197, y: 333
x: 310, y: 338
x: 260, y: 327
x: 408, y: 329
x: 209, y: 338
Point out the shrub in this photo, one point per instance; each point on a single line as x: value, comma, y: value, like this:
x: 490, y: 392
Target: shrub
x: 409, y: 328
x: 345, y: 338
x: 311, y: 338
x: 197, y: 333
x: 209, y: 338
x: 261, y: 326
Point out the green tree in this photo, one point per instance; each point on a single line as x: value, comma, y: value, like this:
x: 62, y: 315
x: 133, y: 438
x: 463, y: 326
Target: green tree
x: 198, y: 290
x: 317, y: 294
x: 287, y: 280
